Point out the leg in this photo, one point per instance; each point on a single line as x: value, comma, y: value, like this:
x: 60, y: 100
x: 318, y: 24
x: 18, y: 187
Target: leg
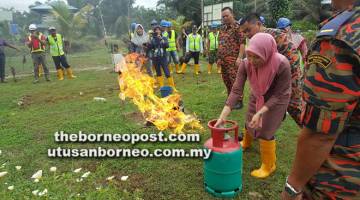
x: 2, y: 68
x: 148, y: 65
x: 165, y: 68
x: 57, y: 62
x: 196, y: 56
x: 42, y: 58
x: 36, y: 62
x: 268, y: 159
x: 175, y: 59
x: 65, y: 64
x: 159, y: 78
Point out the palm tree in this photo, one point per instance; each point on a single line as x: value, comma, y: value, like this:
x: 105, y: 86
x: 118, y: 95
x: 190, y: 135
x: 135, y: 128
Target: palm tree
x: 70, y: 24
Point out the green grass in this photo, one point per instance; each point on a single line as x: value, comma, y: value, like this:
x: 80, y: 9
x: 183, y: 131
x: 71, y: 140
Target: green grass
x: 27, y: 132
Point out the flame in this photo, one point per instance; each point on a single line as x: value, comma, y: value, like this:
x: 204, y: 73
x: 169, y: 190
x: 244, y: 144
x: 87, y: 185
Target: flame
x: 164, y: 113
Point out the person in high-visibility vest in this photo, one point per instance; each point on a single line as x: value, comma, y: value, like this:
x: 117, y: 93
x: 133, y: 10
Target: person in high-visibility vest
x: 36, y: 41
x: 158, y: 46
x: 173, y: 47
x: 212, y: 47
x: 194, y: 47
x: 55, y: 42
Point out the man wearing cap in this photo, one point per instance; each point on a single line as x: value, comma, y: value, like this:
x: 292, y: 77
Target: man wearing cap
x: 55, y: 42
x: 36, y: 41
x: 212, y: 47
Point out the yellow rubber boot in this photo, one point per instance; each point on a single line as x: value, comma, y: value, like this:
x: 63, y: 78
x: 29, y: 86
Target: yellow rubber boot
x: 69, y: 73
x: 60, y: 74
x: 196, y: 69
x: 171, y: 68
x: 218, y: 69
x: 177, y: 69
x: 183, y: 68
x: 209, y: 68
x: 41, y: 70
x: 247, y: 140
x: 172, y: 83
x: 160, y: 81
x: 268, y: 159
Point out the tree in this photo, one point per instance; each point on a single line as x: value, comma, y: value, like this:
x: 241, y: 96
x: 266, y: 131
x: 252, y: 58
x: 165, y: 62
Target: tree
x: 70, y: 24
x: 279, y: 8
x: 188, y: 8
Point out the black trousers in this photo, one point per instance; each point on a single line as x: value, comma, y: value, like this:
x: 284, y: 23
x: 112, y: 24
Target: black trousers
x: 195, y: 55
x: 2, y: 66
x: 60, y: 61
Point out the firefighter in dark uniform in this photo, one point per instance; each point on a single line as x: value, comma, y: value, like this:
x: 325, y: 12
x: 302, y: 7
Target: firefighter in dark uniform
x: 327, y: 163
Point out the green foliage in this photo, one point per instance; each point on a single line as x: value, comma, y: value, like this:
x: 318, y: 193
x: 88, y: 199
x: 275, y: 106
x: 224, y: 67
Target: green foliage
x: 70, y: 25
x: 303, y: 26
x: 278, y: 9
x: 188, y: 8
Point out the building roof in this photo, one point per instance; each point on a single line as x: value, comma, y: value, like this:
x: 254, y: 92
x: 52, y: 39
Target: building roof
x: 47, y: 7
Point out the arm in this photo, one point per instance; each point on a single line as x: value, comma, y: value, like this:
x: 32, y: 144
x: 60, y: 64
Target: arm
x: 187, y: 44
x: 282, y: 89
x: 12, y: 46
x: 312, y: 150
x: 238, y: 87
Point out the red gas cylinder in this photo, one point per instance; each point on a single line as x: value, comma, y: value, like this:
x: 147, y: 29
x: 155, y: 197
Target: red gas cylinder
x: 217, y: 142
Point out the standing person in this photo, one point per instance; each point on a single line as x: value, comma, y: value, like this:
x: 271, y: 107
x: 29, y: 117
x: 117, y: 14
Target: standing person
x: 158, y: 46
x: 3, y: 44
x: 252, y: 25
x: 138, y: 45
x: 182, y: 40
x: 36, y: 41
x: 231, y: 50
x: 212, y: 47
x: 55, y: 42
x: 173, y: 47
x: 299, y: 41
x: 327, y: 161
x: 194, y: 47
x: 269, y: 77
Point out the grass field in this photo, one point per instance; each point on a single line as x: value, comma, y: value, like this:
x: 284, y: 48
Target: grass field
x: 26, y: 132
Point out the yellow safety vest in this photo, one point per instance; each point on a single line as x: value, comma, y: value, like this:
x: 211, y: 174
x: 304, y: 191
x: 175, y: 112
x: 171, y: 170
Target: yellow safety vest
x: 56, y: 47
x: 194, y: 43
x: 172, y: 42
x: 214, y: 41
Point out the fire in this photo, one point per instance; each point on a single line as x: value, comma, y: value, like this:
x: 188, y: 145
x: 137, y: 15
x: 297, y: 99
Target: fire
x: 164, y: 113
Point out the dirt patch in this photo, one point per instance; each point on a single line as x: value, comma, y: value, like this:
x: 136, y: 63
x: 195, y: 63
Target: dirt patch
x: 135, y: 117
x: 25, y: 101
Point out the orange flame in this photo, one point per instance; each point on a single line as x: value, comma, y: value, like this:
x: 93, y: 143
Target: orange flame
x: 164, y: 113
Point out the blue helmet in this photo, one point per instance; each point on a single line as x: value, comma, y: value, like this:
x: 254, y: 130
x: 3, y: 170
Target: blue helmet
x: 132, y: 26
x: 169, y: 24
x: 163, y: 23
x: 154, y: 22
x: 214, y: 25
x: 262, y: 19
x: 283, y: 23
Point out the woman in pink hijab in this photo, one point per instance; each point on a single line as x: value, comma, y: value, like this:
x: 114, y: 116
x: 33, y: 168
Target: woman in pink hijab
x: 268, y: 73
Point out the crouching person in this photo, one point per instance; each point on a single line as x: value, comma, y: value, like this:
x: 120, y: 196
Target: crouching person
x: 269, y: 76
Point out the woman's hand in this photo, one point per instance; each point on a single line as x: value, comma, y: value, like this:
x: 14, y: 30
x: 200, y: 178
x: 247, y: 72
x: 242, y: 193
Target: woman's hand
x: 256, y: 121
x: 225, y: 112
x: 219, y: 122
